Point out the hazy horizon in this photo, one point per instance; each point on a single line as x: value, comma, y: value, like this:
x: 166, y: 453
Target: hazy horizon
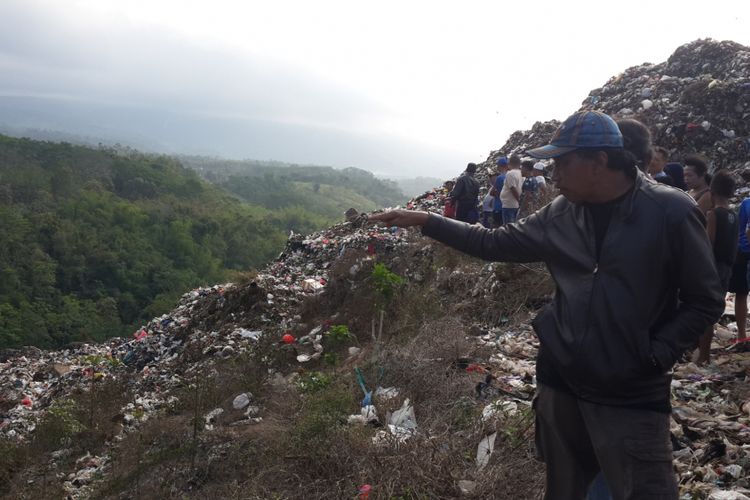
x: 406, y: 89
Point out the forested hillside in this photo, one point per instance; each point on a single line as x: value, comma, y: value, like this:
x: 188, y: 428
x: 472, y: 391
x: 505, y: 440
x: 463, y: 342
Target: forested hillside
x: 277, y: 185
x: 94, y: 241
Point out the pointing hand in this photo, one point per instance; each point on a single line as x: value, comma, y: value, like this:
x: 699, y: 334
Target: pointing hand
x: 401, y: 218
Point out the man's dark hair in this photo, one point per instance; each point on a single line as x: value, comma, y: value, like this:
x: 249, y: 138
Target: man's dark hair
x: 617, y: 159
x: 636, y: 138
x: 664, y: 152
x: 527, y: 164
x: 471, y: 168
x: 723, y: 184
x: 514, y: 160
x: 699, y: 163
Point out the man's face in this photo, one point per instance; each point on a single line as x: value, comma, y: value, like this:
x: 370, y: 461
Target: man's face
x: 658, y: 161
x: 573, y: 176
x: 691, y: 178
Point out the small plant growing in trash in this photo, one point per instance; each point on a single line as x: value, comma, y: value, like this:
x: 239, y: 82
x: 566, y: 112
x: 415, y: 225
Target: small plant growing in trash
x: 339, y: 334
x: 313, y: 382
x: 331, y: 358
x: 60, y: 423
x: 386, y: 282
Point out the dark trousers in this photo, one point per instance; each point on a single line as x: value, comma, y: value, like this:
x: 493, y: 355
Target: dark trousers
x: 466, y: 211
x: 510, y: 215
x: 576, y: 439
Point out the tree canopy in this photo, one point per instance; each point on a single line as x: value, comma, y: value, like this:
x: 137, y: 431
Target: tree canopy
x: 94, y: 242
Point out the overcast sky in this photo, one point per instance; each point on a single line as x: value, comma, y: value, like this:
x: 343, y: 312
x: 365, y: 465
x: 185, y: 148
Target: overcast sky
x: 396, y: 87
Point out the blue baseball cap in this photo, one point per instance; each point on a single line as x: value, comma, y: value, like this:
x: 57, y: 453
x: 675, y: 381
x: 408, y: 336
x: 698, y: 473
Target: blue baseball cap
x: 503, y: 160
x: 582, y: 130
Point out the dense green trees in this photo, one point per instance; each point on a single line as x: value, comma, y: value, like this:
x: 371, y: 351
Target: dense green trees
x: 312, y: 189
x: 93, y: 242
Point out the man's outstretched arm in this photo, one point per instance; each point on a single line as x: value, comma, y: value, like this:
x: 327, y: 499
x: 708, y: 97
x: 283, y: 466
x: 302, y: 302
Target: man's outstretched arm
x: 520, y: 242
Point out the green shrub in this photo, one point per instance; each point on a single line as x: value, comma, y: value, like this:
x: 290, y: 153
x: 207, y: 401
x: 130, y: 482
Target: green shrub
x: 385, y: 282
x: 59, y: 425
x: 322, y: 414
x: 339, y: 334
x: 311, y: 382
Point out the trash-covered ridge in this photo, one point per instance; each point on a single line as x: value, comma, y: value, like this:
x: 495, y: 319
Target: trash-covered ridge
x: 698, y: 101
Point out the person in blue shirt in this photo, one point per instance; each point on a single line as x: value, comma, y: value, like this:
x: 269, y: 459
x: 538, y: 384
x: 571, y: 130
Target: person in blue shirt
x: 656, y: 166
x: 502, y: 169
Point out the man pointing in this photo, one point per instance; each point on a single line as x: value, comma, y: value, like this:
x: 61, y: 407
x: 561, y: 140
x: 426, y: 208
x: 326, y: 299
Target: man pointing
x: 636, y: 287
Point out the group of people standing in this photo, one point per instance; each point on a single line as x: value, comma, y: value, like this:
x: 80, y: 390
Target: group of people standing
x: 726, y: 228
x: 514, y: 188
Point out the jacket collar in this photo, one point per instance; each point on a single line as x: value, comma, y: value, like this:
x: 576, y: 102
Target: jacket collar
x: 624, y: 209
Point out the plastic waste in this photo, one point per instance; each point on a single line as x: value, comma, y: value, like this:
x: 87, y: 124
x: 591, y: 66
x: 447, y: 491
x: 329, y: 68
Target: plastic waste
x: 386, y: 393
x: 210, y: 418
x: 485, y: 449
x: 403, y: 417
x: 727, y: 495
x: 467, y: 487
x: 241, y: 401
x: 364, y: 491
x: 248, y: 334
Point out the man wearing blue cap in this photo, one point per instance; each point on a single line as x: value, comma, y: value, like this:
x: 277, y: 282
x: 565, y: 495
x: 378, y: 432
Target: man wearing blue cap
x: 636, y: 287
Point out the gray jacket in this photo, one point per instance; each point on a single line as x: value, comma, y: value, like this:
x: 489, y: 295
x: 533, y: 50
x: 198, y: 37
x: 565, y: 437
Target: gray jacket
x: 616, y: 326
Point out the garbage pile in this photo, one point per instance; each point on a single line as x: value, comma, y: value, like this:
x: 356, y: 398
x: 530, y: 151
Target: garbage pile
x: 237, y: 318
x: 219, y: 322
x: 303, y: 266
x: 698, y: 101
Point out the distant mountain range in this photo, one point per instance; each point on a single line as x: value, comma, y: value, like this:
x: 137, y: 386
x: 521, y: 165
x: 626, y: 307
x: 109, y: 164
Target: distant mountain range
x: 181, y: 132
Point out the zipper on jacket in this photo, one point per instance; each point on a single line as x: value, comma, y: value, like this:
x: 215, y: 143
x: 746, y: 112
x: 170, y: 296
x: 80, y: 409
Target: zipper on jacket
x: 590, y: 239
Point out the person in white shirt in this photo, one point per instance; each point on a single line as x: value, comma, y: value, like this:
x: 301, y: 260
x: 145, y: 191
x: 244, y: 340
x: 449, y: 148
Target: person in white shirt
x: 510, y: 196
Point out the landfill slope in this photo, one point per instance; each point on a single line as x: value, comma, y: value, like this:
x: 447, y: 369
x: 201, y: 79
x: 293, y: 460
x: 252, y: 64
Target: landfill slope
x: 197, y: 401
x: 698, y: 101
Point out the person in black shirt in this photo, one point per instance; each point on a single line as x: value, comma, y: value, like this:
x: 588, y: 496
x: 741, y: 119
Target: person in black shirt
x: 723, y: 231
x: 465, y: 194
x: 676, y: 171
